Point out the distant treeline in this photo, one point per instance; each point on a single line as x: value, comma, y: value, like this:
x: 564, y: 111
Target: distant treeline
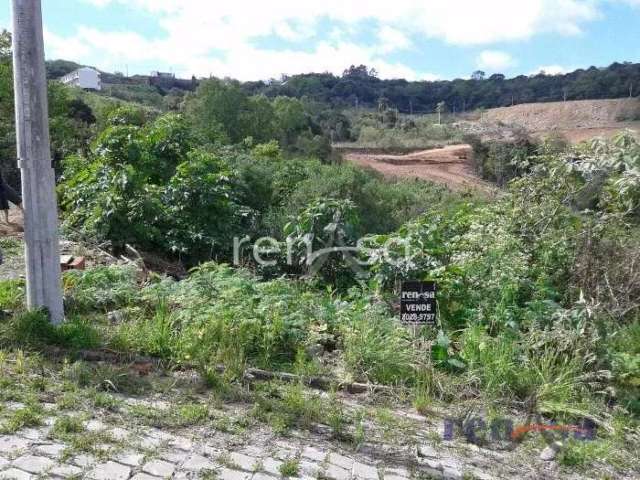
x: 360, y: 86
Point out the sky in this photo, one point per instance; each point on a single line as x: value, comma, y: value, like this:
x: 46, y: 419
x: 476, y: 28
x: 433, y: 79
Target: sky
x: 412, y: 39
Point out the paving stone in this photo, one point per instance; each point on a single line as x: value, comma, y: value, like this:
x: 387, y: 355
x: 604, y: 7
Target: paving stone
x: 480, y: 475
x: 9, y: 444
x: 150, y: 443
x: 262, y: 476
x: 65, y: 471
x: 364, y: 471
x: 230, y: 474
x: 391, y: 476
x: 94, y: 425
x: 197, y: 462
x: 4, y: 462
x: 242, y: 461
x: 34, y: 433
x: 182, y: 443
x: 427, y: 451
x: 211, y: 451
x: 159, y: 468
x: 396, y: 473
x: 314, y: 453
x: 285, y: 450
x: 133, y: 459
x: 337, y: 473
x: 33, y: 464
x: 83, y: 460
x: 431, y: 463
x: 271, y: 465
x: 309, y: 469
x: 144, y: 476
x: 341, y: 461
x: 15, y: 474
x: 174, y: 456
x: 51, y: 450
x: 452, y: 473
x: 550, y: 452
x: 253, y: 451
x: 431, y: 472
x: 110, y: 471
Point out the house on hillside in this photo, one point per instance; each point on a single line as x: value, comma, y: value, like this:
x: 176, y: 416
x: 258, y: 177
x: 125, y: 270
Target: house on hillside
x: 167, y: 81
x: 85, y: 77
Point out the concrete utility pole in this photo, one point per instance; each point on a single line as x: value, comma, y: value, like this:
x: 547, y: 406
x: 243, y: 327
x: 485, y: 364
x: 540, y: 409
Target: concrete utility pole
x: 42, y: 250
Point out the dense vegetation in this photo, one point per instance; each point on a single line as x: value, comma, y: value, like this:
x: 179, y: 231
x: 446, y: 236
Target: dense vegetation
x: 538, y: 299
x: 359, y: 86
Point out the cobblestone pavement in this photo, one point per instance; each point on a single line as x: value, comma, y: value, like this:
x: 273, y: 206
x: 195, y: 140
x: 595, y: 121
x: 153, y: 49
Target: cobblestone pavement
x: 144, y: 453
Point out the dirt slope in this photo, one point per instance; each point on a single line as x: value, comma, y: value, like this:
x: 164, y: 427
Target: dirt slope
x: 578, y: 120
x: 449, y: 165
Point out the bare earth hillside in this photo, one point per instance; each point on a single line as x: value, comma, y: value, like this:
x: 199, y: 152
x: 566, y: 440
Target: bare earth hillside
x: 578, y: 120
x: 449, y: 165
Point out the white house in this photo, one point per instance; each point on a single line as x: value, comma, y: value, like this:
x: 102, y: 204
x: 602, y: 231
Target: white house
x: 84, y: 77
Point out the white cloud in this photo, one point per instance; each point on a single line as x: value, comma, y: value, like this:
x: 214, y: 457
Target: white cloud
x: 392, y: 39
x: 494, y: 60
x: 189, y: 30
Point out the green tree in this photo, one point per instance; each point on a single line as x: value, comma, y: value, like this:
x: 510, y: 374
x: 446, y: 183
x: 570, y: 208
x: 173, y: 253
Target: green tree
x: 290, y: 119
x: 218, y: 110
x: 7, y: 136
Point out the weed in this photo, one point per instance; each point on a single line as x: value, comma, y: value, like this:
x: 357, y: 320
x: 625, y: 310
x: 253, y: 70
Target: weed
x: 10, y: 246
x: 289, y: 467
x: 11, y: 294
x: 105, y: 400
x: 192, y: 414
x: 67, y: 425
x: 28, y: 416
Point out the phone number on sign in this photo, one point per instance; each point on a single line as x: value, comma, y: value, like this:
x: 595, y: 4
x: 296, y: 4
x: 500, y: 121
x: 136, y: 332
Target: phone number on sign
x: 418, y: 317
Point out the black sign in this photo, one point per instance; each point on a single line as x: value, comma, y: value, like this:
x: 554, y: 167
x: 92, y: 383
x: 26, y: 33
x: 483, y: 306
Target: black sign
x: 418, y: 303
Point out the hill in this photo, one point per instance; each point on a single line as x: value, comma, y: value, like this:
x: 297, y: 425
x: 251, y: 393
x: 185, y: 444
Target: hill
x: 359, y: 86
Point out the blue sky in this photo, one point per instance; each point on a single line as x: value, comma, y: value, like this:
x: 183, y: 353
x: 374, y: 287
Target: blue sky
x: 414, y: 39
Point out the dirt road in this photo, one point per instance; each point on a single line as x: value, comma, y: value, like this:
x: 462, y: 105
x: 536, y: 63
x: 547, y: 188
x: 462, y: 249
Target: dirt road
x: 449, y: 165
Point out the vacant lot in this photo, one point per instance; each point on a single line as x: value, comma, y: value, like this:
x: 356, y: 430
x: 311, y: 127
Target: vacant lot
x: 449, y: 165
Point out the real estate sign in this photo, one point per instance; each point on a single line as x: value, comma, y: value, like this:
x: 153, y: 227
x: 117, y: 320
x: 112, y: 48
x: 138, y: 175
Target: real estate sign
x: 418, y: 303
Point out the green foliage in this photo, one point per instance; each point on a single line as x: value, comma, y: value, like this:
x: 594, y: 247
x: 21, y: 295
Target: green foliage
x: 400, y: 133
x: 11, y: 294
x: 220, y: 111
x: 502, y: 161
x: 148, y: 186
x: 360, y: 86
x: 29, y: 416
x: 101, y: 288
x: 376, y: 348
x: 322, y: 226
x: 290, y: 467
x: 35, y: 330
